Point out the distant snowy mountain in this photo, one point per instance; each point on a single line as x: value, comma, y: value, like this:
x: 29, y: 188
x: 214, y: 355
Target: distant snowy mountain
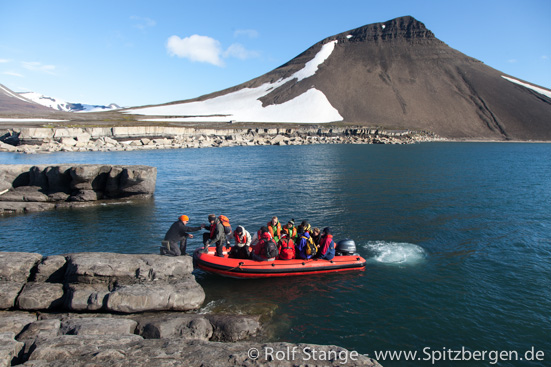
x: 61, y: 105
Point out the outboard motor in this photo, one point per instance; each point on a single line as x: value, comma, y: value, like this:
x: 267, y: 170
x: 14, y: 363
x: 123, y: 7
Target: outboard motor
x: 346, y: 247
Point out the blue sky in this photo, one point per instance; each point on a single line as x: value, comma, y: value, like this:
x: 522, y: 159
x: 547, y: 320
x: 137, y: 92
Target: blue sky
x: 148, y: 52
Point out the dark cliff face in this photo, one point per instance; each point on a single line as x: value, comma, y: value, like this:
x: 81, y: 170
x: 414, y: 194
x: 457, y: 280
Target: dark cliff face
x: 407, y: 28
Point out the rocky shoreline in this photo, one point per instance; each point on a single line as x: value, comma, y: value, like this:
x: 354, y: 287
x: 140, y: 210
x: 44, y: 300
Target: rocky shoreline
x: 26, y: 188
x: 97, y: 309
x: 126, y: 138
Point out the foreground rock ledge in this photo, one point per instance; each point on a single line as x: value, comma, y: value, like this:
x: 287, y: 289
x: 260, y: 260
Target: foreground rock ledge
x: 26, y: 188
x: 133, y: 310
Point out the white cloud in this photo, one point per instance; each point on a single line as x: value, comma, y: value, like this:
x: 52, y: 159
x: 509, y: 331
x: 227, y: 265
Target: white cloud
x: 237, y: 50
x: 196, y: 48
x: 143, y: 22
x: 3, y: 61
x: 251, y: 33
x: 13, y: 73
x: 206, y: 49
x: 37, y: 66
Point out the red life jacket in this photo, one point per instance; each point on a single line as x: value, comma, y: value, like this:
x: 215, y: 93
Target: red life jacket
x: 240, y: 240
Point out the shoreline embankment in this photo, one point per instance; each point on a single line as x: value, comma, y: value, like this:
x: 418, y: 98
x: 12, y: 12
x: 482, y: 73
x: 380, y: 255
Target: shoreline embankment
x: 127, y: 138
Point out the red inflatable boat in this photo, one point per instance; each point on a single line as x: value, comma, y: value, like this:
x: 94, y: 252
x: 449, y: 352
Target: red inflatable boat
x: 241, y: 268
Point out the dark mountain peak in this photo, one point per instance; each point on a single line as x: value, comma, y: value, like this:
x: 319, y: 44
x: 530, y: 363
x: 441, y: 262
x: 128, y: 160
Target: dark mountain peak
x: 407, y: 28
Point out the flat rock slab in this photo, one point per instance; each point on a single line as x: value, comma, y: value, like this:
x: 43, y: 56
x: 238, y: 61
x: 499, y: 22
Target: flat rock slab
x: 9, y: 349
x: 15, y: 321
x: 136, y: 352
x: 41, y: 296
x: 101, y: 267
x: 17, y: 266
x: 98, y: 326
x: 41, y: 329
x: 9, y: 291
x: 184, y: 295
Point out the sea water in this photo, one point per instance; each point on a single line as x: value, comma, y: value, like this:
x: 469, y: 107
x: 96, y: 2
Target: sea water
x: 457, y: 238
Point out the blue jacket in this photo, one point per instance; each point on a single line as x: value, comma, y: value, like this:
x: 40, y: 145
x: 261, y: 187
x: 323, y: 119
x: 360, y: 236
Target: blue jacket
x: 302, y: 246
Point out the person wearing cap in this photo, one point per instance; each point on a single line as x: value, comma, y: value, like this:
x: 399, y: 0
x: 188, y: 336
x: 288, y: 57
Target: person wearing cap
x: 242, y: 249
x: 327, y: 245
x: 178, y: 232
x: 290, y: 230
x: 216, y: 235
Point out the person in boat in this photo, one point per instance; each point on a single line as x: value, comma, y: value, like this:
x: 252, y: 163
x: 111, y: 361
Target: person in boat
x: 263, y: 250
x: 216, y: 235
x: 327, y: 245
x: 305, y: 247
x: 275, y: 228
x: 178, y: 232
x: 316, y: 236
x: 242, y: 249
x: 303, y: 227
x: 286, y: 248
x: 290, y: 230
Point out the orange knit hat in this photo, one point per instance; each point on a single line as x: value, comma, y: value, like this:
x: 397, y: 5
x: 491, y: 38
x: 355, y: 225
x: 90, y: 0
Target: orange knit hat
x: 184, y: 218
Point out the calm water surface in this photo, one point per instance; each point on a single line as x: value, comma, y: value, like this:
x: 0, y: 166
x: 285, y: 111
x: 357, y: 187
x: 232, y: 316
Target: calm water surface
x: 457, y: 237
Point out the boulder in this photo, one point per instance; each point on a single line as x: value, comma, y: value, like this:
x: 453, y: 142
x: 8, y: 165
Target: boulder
x: 86, y: 297
x: 17, y: 266
x: 183, y: 295
x: 138, y: 180
x: 98, y: 326
x: 51, y: 269
x: 40, y: 296
x: 232, y: 328
x: 175, y: 326
x: 89, y: 176
x: 9, y: 349
x: 9, y: 291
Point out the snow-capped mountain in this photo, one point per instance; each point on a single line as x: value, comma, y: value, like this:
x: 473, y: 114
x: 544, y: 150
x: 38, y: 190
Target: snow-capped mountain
x: 394, y: 74
x: 61, y: 105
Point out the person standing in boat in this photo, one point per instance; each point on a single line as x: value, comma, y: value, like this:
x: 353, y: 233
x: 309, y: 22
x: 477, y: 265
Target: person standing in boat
x: 327, y: 245
x: 242, y: 249
x: 178, y: 232
x: 275, y: 229
x: 216, y: 235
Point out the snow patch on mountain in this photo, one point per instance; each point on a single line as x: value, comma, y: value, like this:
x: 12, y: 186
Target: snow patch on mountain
x: 545, y: 92
x: 9, y: 93
x: 244, y: 105
x: 61, y: 105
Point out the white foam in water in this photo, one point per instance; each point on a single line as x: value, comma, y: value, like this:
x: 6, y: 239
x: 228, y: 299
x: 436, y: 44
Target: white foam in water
x: 395, y: 252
